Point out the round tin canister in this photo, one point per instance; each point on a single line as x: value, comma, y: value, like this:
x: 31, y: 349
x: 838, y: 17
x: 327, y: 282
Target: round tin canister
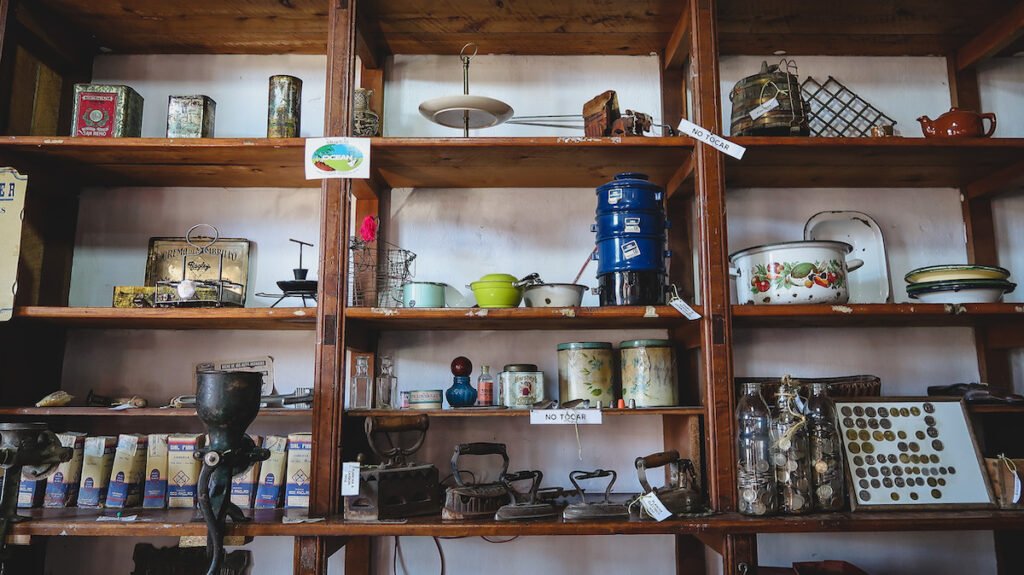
x: 425, y: 399
x: 789, y: 118
x: 649, y: 372
x: 521, y: 385
x: 284, y: 107
x: 585, y: 371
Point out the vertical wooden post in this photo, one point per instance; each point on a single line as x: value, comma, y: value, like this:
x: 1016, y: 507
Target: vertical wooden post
x: 739, y: 554
x: 8, y: 53
x: 716, y: 327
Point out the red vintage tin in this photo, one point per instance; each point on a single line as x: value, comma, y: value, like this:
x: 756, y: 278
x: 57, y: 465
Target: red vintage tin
x: 106, y: 111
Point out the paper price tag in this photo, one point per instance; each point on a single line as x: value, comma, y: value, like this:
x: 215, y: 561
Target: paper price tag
x: 350, y: 478
x: 565, y: 417
x: 337, y: 158
x: 654, y: 507
x: 764, y: 108
x: 684, y: 308
x: 688, y: 128
x: 1016, y: 488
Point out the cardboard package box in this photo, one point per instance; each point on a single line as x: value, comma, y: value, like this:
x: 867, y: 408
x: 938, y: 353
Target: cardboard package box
x: 182, y: 469
x: 128, y: 471
x: 270, y: 488
x: 300, y: 455
x: 97, y: 461
x: 30, y: 491
x: 154, y: 491
x: 62, y: 488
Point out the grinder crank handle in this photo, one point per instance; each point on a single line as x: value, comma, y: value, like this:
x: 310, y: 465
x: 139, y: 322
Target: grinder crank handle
x: 479, y: 448
x: 656, y: 460
x: 395, y: 424
x: 576, y: 476
x: 507, y: 479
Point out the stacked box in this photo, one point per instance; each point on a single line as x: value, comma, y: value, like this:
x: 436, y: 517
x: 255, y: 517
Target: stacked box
x: 30, y: 491
x: 97, y: 461
x: 182, y: 469
x: 268, y: 492
x: 154, y: 491
x: 62, y: 488
x: 128, y: 471
x: 300, y: 455
x: 243, y: 485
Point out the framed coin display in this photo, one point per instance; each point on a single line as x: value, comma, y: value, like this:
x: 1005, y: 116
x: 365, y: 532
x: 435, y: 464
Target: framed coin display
x: 928, y: 460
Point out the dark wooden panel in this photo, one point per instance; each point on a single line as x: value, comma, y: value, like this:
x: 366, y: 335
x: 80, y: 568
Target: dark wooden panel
x: 878, y: 315
x: 516, y: 318
x: 263, y: 318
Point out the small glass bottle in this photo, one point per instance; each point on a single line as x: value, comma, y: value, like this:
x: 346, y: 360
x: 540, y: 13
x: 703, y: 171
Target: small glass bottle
x: 755, y: 473
x: 387, y: 385
x: 485, y: 387
x: 791, y: 454
x: 826, y: 453
x: 360, y: 388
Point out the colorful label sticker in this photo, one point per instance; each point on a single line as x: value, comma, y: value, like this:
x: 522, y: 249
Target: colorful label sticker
x: 337, y: 158
x: 96, y: 111
x: 630, y: 250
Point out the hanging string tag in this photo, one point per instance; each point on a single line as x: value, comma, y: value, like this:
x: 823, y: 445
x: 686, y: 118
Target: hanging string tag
x: 681, y: 306
x: 1012, y: 468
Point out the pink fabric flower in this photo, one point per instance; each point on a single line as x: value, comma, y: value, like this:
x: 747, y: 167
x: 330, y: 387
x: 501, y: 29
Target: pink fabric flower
x: 368, y: 231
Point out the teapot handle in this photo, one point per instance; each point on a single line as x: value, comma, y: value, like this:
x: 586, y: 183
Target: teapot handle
x: 852, y: 265
x: 992, y: 127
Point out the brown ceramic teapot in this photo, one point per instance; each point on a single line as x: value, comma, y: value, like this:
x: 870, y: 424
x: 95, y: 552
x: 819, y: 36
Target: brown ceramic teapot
x: 957, y: 123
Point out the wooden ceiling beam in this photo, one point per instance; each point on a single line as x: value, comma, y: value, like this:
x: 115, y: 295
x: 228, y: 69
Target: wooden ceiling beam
x: 996, y: 37
x: 371, y: 46
x: 1000, y: 181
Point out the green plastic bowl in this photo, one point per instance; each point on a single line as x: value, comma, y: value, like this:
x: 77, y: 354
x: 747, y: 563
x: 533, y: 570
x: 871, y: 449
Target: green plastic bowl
x: 496, y: 294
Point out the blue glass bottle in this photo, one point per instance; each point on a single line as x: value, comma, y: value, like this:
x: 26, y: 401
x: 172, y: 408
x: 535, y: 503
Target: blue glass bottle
x: 461, y: 393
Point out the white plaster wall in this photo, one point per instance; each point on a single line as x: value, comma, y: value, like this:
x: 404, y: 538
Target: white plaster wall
x: 461, y: 234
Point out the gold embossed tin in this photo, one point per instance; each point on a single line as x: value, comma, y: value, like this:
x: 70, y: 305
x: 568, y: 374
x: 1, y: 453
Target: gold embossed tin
x: 284, y: 107
x: 164, y: 262
x: 106, y: 111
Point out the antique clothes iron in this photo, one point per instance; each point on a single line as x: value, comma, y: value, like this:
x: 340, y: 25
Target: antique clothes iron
x: 30, y: 448
x: 528, y: 505
x: 475, y: 500
x: 396, y: 488
x: 226, y: 402
x: 600, y: 510
x: 680, y: 494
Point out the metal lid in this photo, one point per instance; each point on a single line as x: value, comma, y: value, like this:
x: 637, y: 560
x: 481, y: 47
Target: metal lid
x: 585, y: 345
x: 520, y: 367
x: 424, y: 284
x: 630, y: 180
x: 842, y: 246
x: 633, y: 343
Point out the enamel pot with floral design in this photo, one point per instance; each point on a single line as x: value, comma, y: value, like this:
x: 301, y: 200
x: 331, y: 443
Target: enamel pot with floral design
x: 793, y: 273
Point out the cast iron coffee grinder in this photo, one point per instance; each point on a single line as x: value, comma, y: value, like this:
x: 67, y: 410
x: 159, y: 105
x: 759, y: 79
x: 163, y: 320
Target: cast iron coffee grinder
x: 226, y: 402
x: 32, y: 449
x: 530, y: 505
x: 475, y: 500
x: 604, y: 509
x: 680, y: 494
x: 397, y: 488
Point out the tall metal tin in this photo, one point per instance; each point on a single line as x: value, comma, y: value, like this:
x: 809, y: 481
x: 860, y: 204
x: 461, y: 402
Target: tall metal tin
x: 190, y: 116
x: 284, y: 107
x: 106, y: 111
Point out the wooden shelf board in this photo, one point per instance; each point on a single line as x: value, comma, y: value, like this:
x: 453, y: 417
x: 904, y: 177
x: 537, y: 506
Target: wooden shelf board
x: 866, y: 521
x: 689, y: 411
x: 236, y: 27
x: 260, y: 318
x: 998, y: 408
x: 872, y: 315
x: 788, y: 162
x: 625, y: 317
x: 73, y: 411
x: 197, y: 162
x: 155, y: 523
x: 891, y: 28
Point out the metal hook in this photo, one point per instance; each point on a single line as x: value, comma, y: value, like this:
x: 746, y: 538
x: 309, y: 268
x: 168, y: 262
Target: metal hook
x: 202, y: 249
x: 462, y: 53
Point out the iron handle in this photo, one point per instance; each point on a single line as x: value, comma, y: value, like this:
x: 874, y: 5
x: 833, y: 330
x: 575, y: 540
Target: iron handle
x: 657, y: 459
x: 479, y: 448
x: 576, y: 476
x: 395, y: 454
x: 509, y: 478
x: 396, y: 423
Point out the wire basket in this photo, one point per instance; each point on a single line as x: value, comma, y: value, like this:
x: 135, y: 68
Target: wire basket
x: 836, y: 111
x: 376, y: 273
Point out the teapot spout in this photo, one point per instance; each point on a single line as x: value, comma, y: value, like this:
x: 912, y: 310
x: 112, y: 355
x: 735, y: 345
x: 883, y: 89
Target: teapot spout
x: 926, y: 125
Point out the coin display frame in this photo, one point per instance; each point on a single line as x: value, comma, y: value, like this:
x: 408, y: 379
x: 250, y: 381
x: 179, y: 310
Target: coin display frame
x: 967, y: 488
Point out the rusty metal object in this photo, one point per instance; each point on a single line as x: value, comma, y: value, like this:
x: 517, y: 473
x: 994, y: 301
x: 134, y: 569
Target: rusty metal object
x: 600, y: 114
x: 284, y: 107
x: 475, y: 500
x: 226, y: 402
x: 32, y: 449
x: 788, y: 118
x: 680, y: 494
x: 190, y: 116
x: 396, y: 488
x: 525, y: 506
x: 603, y: 509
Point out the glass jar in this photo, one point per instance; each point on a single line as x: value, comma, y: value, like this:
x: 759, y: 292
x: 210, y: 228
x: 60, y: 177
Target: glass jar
x: 360, y: 390
x: 585, y: 371
x: 485, y: 387
x: 755, y: 473
x: 387, y: 386
x: 791, y: 454
x: 826, y: 453
x: 649, y: 372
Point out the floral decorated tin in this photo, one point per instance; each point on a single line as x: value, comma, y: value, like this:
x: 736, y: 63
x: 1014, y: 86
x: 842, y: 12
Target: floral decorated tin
x: 649, y: 372
x: 586, y: 371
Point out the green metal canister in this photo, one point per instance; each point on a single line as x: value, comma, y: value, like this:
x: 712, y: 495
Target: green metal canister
x: 284, y: 107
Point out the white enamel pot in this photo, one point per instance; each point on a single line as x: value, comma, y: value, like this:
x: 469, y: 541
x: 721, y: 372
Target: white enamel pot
x: 793, y: 273
x: 554, y: 295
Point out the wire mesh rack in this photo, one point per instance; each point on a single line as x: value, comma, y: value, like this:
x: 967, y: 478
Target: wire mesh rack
x: 376, y: 273
x: 837, y: 112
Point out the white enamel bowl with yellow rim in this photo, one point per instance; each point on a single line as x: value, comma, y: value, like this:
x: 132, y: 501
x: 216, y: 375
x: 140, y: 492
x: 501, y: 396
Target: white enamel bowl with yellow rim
x: 956, y: 272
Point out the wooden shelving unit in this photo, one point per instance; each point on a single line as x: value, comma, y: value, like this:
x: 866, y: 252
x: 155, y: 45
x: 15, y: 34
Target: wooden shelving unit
x: 689, y: 37
x: 684, y: 411
x: 146, y: 412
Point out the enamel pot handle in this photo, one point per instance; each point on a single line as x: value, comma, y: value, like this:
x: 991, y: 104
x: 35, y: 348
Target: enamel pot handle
x: 734, y: 272
x: 992, y: 125
x: 852, y: 265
